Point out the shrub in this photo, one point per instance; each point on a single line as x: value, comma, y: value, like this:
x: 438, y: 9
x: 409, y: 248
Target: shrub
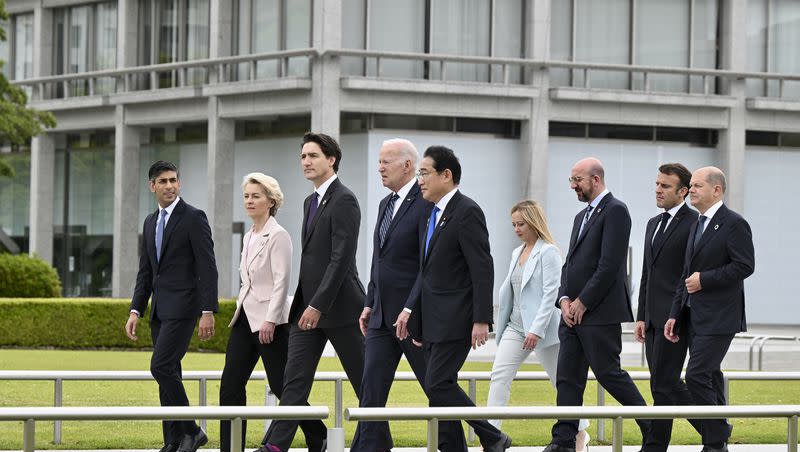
x: 89, y: 323
x: 22, y: 276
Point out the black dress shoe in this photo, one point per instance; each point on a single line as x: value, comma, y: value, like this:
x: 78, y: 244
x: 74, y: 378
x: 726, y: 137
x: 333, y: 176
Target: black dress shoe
x: 322, y: 448
x: 557, y: 448
x: 501, y: 445
x: 190, y: 443
x: 170, y: 448
x: 724, y: 448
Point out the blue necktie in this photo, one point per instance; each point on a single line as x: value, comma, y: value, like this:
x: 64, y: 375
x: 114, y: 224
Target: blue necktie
x: 160, y: 232
x: 312, y: 210
x: 387, y: 218
x: 699, y: 232
x: 585, y: 219
x: 431, y: 228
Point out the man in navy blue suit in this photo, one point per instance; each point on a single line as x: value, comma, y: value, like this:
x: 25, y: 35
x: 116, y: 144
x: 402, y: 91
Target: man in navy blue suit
x: 395, y: 265
x: 594, y: 301
x: 708, y: 308
x: 177, y: 268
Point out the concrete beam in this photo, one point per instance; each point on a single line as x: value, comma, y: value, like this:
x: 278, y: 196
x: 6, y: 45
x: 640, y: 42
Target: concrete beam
x: 43, y: 164
x: 325, y: 71
x: 535, y: 132
x: 221, y: 140
x: 125, y: 262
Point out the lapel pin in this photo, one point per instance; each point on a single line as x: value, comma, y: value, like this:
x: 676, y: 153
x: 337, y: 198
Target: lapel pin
x: 599, y: 209
x: 324, y: 202
x: 716, y: 226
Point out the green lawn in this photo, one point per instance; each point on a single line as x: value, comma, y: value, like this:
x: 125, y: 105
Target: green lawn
x: 147, y: 434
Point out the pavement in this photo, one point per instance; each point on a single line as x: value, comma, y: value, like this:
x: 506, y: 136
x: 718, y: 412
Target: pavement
x: 592, y: 448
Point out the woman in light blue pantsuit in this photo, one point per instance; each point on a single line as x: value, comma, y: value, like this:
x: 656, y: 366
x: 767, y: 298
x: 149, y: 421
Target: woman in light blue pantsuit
x: 528, y: 319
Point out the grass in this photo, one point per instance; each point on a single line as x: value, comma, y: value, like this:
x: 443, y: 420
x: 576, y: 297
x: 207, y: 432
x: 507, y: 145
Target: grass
x: 147, y: 434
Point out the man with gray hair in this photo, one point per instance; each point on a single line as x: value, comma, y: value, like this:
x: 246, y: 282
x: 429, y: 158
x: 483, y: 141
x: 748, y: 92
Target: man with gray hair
x: 395, y: 264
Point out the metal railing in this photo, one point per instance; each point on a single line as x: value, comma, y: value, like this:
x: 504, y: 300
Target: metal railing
x: 29, y: 416
x: 338, y: 378
x: 220, y: 70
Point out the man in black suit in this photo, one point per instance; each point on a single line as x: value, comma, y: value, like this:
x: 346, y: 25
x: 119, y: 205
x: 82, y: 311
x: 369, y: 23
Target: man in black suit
x: 177, y: 268
x: 395, y: 266
x: 664, y: 252
x: 708, y: 307
x: 594, y: 301
x: 329, y: 295
x: 452, y: 298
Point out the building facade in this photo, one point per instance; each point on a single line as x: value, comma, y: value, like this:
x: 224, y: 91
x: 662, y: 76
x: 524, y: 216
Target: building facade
x: 520, y: 89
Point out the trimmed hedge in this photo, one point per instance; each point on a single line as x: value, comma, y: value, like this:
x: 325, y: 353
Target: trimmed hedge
x: 24, y: 276
x: 89, y: 323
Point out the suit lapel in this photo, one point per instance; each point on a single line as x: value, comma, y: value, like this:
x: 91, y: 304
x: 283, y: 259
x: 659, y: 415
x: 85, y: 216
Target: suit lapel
x: 320, y: 209
x: 174, y: 218
x: 596, y: 212
x: 406, y: 203
x: 714, y: 223
x: 261, y: 241
x: 532, y: 262
x: 150, y: 238
x: 444, y: 220
x: 673, y: 225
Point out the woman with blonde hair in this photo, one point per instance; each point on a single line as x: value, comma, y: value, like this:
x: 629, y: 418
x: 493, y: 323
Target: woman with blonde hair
x: 528, y: 319
x: 259, y: 327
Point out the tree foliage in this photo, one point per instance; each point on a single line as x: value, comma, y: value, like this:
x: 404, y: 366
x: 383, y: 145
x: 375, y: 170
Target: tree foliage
x: 18, y: 122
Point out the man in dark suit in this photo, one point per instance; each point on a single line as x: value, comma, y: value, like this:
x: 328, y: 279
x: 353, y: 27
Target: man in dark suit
x: 708, y: 307
x: 395, y: 266
x: 594, y: 301
x: 329, y: 296
x: 664, y: 251
x: 177, y: 268
x: 452, y: 298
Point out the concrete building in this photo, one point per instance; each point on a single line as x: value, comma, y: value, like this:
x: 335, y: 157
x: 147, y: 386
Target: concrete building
x: 519, y: 88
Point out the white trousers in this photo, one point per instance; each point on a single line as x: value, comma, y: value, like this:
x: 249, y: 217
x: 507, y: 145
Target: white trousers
x: 510, y: 355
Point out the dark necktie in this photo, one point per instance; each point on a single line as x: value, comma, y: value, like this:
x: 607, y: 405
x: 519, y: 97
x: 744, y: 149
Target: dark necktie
x: 431, y: 227
x: 388, y: 214
x: 699, y: 232
x: 658, y: 239
x: 312, y: 210
x: 160, y: 232
x: 585, y: 218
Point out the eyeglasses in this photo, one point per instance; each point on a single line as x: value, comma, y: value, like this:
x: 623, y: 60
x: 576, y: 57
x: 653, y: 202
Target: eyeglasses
x: 578, y: 179
x: 425, y: 174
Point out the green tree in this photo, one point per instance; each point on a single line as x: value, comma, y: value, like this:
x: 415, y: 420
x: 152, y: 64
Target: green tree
x: 18, y: 122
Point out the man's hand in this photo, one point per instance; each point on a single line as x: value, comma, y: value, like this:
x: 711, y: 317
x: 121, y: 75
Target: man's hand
x: 310, y: 319
x: 266, y: 332
x: 693, y: 283
x: 566, y: 312
x: 480, y: 333
x: 401, y: 325
x: 577, y: 308
x: 669, y: 331
x: 206, y: 327
x: 130, y: 326
x: 530, y: 341
x: 363, y: 320
x: 638, y: 331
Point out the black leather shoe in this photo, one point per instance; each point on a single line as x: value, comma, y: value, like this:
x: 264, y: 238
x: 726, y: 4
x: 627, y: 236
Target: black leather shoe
x: 190, y: 443
x: 724, y: 448
x: 557, y: 448
x: 322, y: 448
x: 169, y: 448
x: 501, y: 445
x: 268, y: 448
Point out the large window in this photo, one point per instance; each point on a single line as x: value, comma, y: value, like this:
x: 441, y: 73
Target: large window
x: 85, y: 39
x: 450, y: 27
x: 773, y: 31
x: 23, y: 46
x: 675, y: 33
x: 15, y: 198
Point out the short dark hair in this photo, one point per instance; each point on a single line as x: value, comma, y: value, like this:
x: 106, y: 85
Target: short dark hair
x: 443, y: 159
x: 159, y: 167
x: 676, y: 169
x: 328, y: 145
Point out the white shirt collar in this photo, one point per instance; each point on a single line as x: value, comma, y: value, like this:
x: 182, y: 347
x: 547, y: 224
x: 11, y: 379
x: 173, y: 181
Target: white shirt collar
x: 442, y: 204
x: 675, y: 210
x: 322, y: 189
x: 403, y: 192
x: 712, y: 210
x: 599, y: 198
x: 170, y: 207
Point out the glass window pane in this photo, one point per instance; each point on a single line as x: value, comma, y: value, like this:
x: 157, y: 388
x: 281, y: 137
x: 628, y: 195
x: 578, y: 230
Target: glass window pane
x: 23, y: 46
x: 704, y: 41
x: 508, y: 30
x: 298, y: 34
x: 461, y: 27
x: 560, y: 40
x: 266, y: 34
x: 15, y: 198
x: 78, y: 45
x: 353, y: 34
x: 105, y: 31
x: 605, y: 40
x: 756, y: 44
x: 662, y: 39
x: 398, y: 27
x: 4, y: 50
x: 197, y: 38
x: 167, y: 40
x: 783, y: 54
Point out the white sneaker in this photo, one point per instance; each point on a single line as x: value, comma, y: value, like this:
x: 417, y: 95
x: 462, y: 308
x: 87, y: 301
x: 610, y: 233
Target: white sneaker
x: 582, y: 441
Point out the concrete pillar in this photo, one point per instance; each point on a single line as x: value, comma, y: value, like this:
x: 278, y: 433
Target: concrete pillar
x: 325, y: 72
x: 127, y: 33
x: 125, y: 255
x: 220, y: 32
x: 731, y: 144
x: 43, y: 164
x: 535, y: 131
x: 221, y: 140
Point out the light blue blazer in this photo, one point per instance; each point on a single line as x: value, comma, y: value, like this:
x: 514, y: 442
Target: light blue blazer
x: 540, y: 280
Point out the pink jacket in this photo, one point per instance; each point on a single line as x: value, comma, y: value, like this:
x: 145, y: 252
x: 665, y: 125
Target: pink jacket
x: 265, y: 277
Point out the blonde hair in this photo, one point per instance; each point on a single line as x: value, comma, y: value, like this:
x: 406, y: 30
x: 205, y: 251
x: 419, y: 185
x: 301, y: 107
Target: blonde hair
x: 271, y: 188
x: 533, y: 215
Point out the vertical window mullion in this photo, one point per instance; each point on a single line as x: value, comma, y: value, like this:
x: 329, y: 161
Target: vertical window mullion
x: 574, y: 50
x: 632, y: 42
x: 367, y: 44
x: 492, y: 19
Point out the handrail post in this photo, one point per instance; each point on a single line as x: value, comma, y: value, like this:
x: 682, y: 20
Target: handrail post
x: 791, y: 437
x: 339, y: 403
x: 750, y: 353
x: 761, y: 351
x: 646, y: 81
x: 269, y: 400
x: 601, y: 423
x: 204, y: 401
x: 433, y: 435
x: 473, y: 395
x: 644, y: 355
x: 58, y: 398
x: 441, y: 69
x: 336, y: 439
x: 29, y: 436
x: 726, y: 389
x: 378, y: 67
x: 617, y: 440
x: 586, y: 78
x: 236, y: 433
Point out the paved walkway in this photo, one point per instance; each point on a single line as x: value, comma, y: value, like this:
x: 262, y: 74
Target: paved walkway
x: 732, y: 448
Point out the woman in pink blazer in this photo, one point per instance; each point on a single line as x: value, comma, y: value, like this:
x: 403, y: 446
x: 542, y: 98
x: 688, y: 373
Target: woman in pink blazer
x: 259, y: 325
